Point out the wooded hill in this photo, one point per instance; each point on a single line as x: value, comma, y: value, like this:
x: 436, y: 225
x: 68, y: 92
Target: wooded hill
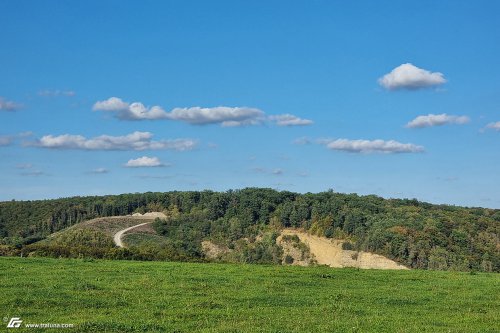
x: 415, y: 234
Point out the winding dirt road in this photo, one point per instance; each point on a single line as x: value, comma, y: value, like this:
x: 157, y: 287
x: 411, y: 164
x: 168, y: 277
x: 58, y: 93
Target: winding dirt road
x: 118, y: 236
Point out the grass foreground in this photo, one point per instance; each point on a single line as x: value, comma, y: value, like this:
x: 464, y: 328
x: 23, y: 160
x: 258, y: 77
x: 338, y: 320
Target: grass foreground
x: 132, y: 296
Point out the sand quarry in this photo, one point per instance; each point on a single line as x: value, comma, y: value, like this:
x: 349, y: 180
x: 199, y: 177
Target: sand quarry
x: 329, y: 252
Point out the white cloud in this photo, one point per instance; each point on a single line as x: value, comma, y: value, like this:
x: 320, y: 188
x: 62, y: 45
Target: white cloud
x: 133, y: 141
x: 126, y: 111
x: 6, y: 140
x: 56, y: 92
x: 99, y: 171
x: 495, y: 126
x: 226, y: 116
x: 6, y: 105
x: 144, y: 162
x: 290, y: 120
x: 371, y: 146
x: 437, y: 120
x: 223, y: 115
x: 408, y: 76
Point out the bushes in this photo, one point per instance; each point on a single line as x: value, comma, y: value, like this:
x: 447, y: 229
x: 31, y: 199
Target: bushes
x: 347, y: 246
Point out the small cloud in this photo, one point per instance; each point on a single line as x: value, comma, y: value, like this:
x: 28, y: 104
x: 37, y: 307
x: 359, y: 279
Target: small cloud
x: 259, y: 170
x: 35, y: 173
x: 24, y: 166
x: 431, y: 120
x: 99, y: 171
x: 302, y: 141
x: 143, y: 162
x: 277, y: 172
x: 494, y: 126
x: 6, y: 140
x: 212, y: 145
x: 130, y: 111
x: 371, y: 146
x: 290, y: 120
x: 56, y: 93
x: 134, y: 141
x: 410, y: 77
x: 6, y: 105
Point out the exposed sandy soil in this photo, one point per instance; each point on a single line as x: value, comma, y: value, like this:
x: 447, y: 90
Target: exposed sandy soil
x: 329, y: 252
x: 294, y: 250
x: 150, y: 215
x: 214, y: 251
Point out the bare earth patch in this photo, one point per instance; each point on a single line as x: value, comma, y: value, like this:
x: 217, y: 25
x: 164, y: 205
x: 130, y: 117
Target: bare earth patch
x: 329, y: 252
x: 150, y: 215
x: 214, y: 251
x: 298, y: 251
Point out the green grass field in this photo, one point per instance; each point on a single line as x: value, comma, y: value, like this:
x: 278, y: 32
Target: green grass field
x: 128, y: 296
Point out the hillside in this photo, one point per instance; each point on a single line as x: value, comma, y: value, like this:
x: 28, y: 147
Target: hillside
x: 124, y: 296
x: 412, y: 233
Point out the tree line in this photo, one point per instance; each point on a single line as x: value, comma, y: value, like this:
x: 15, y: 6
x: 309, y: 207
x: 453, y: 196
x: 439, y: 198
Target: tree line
x: 415, y: 234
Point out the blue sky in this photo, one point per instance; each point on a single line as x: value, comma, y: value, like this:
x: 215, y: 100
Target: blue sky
x: 289, y: 95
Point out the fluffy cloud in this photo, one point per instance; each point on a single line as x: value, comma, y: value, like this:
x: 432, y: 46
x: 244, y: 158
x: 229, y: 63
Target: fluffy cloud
x: 223, y: 115
x: 437, y: 120
x: 226, y: 116
x: 371, y: 146
x: 144, y: 161
x: 6, y: 105
x: 494, y: 126
x: 290, y: 120
x: 6, y: 140
x: 127, y: 111
x: 133, y: 141
x: 408, y: 76
x: 55, y: 93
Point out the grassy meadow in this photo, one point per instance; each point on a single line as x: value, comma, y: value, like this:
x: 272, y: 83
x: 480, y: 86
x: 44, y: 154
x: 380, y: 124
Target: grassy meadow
x: 132, y: 296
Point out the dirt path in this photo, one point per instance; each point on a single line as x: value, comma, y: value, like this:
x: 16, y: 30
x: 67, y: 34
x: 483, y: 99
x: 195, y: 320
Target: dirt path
x: 329, y: 252
x: 118, y: 236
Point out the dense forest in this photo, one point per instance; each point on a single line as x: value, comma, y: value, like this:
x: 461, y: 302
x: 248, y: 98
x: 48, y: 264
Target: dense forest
x: 416, y: 234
